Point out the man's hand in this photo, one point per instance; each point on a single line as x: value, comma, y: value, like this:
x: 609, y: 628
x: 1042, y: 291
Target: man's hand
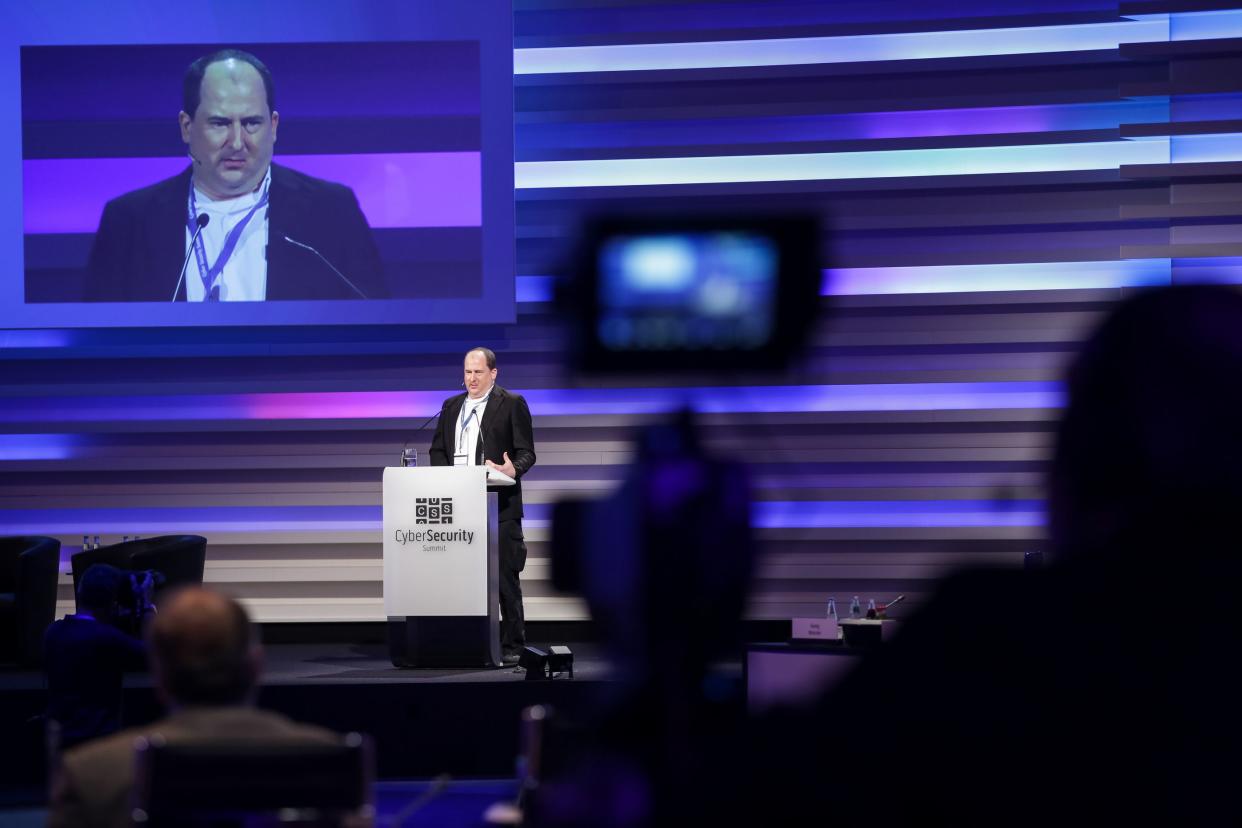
x: 146, y: 592
x: 507, y: 468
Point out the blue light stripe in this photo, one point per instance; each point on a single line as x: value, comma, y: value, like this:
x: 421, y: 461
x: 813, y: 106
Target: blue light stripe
x: 1188, y: 149
x: 931, y: 396
x: 1220, y: 270
x: 840, y: 49
x: 18, y: 447
x: 974, y: 278
x: 1208, y: 25
x: 822, y: 166
x: 324, y: 518
x: 534, y: 288
x: 51, y: 338
x: 849, y: 126
x: 895, y: 513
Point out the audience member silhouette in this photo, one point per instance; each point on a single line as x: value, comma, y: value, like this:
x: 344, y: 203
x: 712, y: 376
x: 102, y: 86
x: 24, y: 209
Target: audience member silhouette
x: 665, y: 566
x: 86, y: 655
x: 1094, y: 691
x: 206, y: 663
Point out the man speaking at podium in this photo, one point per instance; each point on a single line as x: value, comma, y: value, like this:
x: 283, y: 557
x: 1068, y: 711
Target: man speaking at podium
x: 488, y: 425
x: 233, y: 226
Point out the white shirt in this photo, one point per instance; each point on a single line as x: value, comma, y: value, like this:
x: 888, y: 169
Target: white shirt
x: 468, y: 422
x: 244, y: 278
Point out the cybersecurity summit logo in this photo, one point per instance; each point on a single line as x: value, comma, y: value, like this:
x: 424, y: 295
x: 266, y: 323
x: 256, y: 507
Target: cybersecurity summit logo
x: 433, y: 511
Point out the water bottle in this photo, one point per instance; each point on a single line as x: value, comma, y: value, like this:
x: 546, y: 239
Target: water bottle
x: 834, y: 617
x: 96, y: 546
x: 86, y: 542
x: 855, y: 608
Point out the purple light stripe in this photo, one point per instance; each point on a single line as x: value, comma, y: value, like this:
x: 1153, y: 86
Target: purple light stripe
x: 764, y: 515
x: 864, y: 281
x: 947, y: 396
x: 197, y: 519
x: 426, y: 189
x: 67, y: 195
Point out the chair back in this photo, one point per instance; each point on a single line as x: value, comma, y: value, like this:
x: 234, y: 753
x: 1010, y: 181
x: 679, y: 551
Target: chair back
x: 254, y: 783
x: 29, y: 571
x: 179, y: 558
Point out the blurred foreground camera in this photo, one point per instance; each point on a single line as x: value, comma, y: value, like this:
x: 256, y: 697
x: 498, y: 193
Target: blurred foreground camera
x: 717, y: 293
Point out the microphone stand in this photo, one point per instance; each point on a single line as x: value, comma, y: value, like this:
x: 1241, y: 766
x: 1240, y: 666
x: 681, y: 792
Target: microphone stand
x: 201, y: 221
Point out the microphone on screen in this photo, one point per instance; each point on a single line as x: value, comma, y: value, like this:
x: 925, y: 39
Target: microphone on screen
x: 200, y: 223
x: 331, y: 266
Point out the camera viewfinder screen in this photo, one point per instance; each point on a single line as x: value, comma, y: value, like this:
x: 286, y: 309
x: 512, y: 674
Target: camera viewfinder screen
x: 693, y: 291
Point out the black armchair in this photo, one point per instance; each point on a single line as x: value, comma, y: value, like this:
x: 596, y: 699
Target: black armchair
x: 179, y: 558
x: 210, y: 783
x: 28, y: 575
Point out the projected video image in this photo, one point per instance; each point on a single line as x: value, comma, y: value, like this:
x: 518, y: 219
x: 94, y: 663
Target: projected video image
x: 272, y: 173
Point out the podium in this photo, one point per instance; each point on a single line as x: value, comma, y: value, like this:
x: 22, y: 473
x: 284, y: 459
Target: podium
x: 441, y: 566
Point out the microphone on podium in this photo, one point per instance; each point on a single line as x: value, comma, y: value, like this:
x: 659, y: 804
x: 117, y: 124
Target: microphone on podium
x: 199, y: 224
x: 409, y: 456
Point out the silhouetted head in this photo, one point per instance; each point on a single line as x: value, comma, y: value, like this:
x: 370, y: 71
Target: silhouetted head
x: 203, y: 650
x: 100, y: 589
x: 1150, y: 447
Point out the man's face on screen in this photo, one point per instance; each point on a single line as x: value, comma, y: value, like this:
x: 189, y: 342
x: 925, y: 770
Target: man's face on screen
x: 232, y: 134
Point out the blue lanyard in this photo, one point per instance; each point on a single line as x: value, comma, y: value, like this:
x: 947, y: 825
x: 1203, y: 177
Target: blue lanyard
x: 211, y: 288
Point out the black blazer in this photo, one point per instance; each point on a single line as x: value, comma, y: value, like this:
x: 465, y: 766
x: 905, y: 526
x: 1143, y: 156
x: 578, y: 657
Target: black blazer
x: 506, y: 427
x: 140, y: 244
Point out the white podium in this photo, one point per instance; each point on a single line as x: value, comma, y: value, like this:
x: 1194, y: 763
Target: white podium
x: 441, y: 572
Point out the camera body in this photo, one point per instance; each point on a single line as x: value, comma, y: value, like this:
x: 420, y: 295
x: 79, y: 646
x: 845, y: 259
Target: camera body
x: 133, y: 601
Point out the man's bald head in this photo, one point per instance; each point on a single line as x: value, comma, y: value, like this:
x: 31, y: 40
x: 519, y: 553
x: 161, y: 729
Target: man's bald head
x: 203, y: 649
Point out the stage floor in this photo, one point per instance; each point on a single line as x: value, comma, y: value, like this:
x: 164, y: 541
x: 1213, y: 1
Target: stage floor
x: 368, y: 663
x: 342, y: 663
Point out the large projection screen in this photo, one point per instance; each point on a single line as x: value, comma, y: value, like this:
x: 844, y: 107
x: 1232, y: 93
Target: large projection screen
x: 408, y: 105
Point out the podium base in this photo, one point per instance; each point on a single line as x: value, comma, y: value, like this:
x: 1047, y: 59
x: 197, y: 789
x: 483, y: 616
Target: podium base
x: 443, y: 641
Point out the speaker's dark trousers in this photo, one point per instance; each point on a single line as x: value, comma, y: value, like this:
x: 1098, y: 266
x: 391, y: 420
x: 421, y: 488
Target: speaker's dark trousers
x: 512, y: 561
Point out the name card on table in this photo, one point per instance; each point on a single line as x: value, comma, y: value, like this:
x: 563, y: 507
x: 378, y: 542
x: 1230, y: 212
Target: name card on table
x: 815, y: 629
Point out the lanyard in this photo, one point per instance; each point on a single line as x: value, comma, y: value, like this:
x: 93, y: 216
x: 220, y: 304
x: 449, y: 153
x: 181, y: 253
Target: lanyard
x: 463, y: 420
x: 209, y: 275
